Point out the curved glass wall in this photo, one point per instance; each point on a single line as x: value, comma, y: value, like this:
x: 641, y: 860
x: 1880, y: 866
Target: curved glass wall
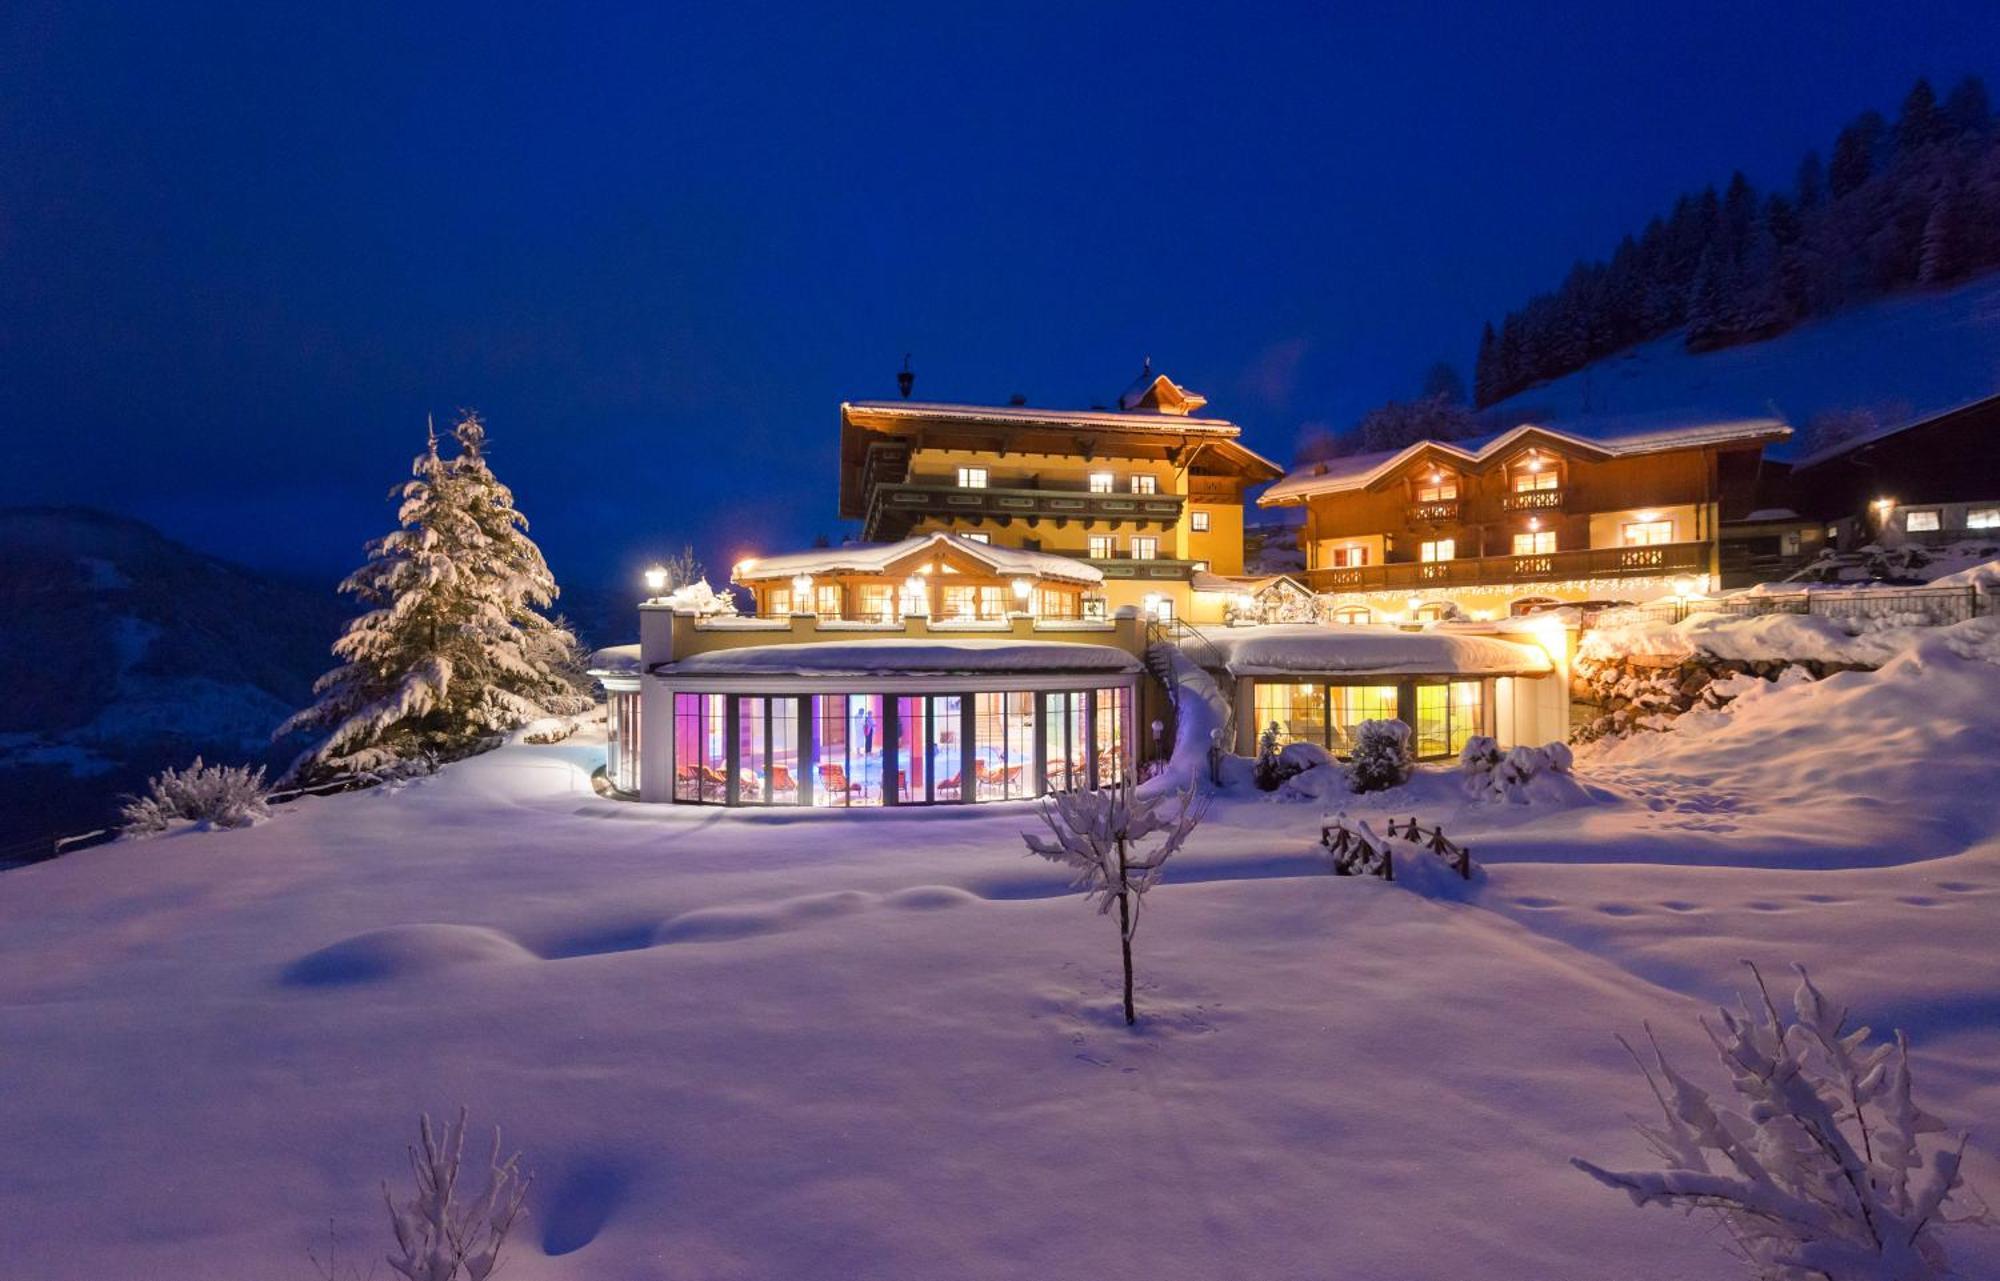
x: 852, y: 750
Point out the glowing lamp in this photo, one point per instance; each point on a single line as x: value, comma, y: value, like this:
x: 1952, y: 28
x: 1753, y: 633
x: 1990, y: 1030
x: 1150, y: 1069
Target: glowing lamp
x: 656, y: 579
x: 1683, y: 586
x: 802, y: 587
x: 1021, y: 588
x: 1534, y: 522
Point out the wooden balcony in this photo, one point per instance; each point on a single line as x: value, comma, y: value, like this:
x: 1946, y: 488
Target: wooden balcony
x: 893, y: 509
x: 1442, y: 512
x: 1533, y: 500
x: 1495, y: 571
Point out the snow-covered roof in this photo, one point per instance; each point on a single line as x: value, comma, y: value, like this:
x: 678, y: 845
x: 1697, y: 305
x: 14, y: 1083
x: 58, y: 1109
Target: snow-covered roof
x: 1308, y: 649
x: 1030, y: 416
x: 907, y: 657
x: 614, y: 660
x: 1237, y: 584
x: 879, y: 558
x: 1359, y: 471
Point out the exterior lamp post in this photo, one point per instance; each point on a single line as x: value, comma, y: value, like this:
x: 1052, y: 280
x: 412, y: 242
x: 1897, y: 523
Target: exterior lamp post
x: 656, y: 579
x: 802, y: 601
x: 1023, y: 590
x: 1683, y: 591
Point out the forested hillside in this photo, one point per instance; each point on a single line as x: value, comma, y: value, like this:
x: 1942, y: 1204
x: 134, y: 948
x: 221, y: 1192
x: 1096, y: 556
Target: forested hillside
x: 1909, y: 202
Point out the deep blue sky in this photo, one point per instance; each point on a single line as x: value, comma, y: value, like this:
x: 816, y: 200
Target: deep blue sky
x: 244, y: 251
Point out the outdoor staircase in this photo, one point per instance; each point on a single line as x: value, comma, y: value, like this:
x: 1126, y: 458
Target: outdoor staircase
x: 1163, y: 640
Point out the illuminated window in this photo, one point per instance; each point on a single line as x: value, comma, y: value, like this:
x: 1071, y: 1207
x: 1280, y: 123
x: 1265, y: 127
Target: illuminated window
x: 1348, y: 555
x: 1353, y: 614
x: 1447, y: 715
x: 1101, y: 482
x: 878, y: 602
x: 779, y: 601
x: 972, y: 478
x: 1528, y: 482
x: 1983, y: 518
x: 1054, y: 602
x: 1442, y: 491
x: 1198, y: 522
x: 1201, y: 565
x: 1920, y: 522
x: 960, y: 600
x: 1145, y: 485
x: 1114, y: 708
x: 1145, y: 548
x: 1296, y: 711
x: 1101, y: 547
x: 1438, y: 549
x: 977, y: 538
x: 1538, y: 542
x: 1644, y: 533
x: 829, y: 600
x: 1349, y: 705
x: 992, y: 602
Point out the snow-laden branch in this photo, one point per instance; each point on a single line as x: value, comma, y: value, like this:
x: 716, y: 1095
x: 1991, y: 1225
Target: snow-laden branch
x: 1819, y: 1176
x: 1116, y: 843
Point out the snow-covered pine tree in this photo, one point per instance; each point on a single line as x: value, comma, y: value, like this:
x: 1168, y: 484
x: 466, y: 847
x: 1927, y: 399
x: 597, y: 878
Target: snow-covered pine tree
x: 450, y: 648
x: 516, y: 580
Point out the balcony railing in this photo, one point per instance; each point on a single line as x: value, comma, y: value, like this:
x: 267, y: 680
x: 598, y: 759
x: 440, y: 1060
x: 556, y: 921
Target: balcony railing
x: 1484, y: 571
x: 1436, y: 513
x: 1533, y: 500
x: 893, y: 508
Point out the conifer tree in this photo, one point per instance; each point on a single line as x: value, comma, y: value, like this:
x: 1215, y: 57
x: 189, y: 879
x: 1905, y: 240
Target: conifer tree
x: 450, y: 648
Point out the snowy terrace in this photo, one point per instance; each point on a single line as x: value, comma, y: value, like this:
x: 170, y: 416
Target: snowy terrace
x: 777, y: 1044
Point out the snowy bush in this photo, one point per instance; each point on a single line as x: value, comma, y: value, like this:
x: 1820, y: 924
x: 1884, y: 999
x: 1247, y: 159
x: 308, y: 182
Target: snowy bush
x: 1822, y: 1175
x: 699, y: 598
x: 1099, y: 835
x: 1267, y: 774
x: 1382, y: 756
x: 204, y: 795
x: 1493, y: 775
x: 547, y: 730
x: 439, y: 1236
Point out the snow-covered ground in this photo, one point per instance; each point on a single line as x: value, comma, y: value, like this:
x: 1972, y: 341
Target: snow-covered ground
x: 883, y: 1045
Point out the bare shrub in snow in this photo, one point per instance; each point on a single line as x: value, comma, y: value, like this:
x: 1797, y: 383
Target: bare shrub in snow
x: 204, y: 795
x: 1490, y: 774
x: 1821, y: 1176
x: 1382, y: 756
x: 1101, y: 836
x: 439, y: 1235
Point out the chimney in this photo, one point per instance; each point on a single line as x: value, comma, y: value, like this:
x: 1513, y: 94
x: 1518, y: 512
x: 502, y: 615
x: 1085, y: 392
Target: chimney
x: 905, y: 379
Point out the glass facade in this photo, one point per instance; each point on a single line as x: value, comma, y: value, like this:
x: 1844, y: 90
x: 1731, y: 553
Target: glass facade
x: 849, y: 737
x: 1447, y: 715
x: 701, y: 748
x: 846, y: 750
x: 621, y: 734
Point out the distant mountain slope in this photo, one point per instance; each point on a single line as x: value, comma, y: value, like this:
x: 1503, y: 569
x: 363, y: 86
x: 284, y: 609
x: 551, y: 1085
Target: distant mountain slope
x: 1882, y: 364
x: 121, y: 650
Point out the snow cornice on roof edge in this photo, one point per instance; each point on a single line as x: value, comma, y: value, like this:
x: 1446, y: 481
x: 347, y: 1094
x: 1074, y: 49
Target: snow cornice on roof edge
x: 1331, y: 477
x: 876, y: 558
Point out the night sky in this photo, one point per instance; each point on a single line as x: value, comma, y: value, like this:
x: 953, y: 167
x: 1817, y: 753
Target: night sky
x: 242, y: 255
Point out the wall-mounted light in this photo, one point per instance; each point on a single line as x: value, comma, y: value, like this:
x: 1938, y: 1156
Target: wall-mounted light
x: 1646, y: 515
x: 1414, y: 604
x: 1534, y: 522
x: 656, y: 579
x: 1021, y: 589
x: 801, y: 589
x: 1683, y: 586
